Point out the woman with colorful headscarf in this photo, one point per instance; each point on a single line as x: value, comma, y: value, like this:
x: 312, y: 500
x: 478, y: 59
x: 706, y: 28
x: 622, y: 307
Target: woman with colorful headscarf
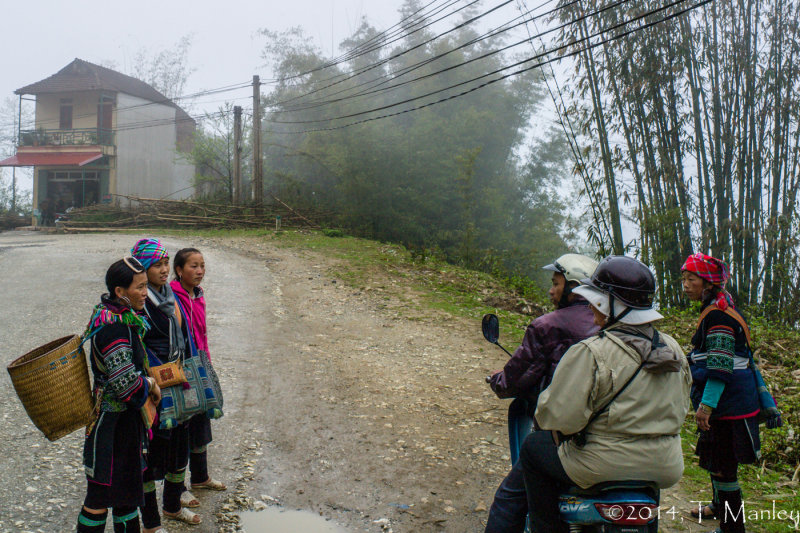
x: 112, y: 451
x: 166, y: 342
x: 723, y: 394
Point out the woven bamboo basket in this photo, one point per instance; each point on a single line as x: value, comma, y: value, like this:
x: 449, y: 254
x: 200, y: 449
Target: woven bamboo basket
x: 52, y: 382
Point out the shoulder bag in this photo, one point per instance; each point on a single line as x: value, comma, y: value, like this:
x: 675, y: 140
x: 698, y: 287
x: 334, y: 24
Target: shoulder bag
x: 199, y: 394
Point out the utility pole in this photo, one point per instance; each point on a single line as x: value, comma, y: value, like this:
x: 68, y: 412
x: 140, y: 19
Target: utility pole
x: 237, y: 155
x: 258, y: 183
x: 14, y: 169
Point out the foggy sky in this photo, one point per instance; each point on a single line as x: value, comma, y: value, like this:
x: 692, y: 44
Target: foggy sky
x: 40, y: 38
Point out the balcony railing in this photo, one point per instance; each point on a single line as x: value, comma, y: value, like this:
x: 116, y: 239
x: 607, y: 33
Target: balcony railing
x: 42, y: 137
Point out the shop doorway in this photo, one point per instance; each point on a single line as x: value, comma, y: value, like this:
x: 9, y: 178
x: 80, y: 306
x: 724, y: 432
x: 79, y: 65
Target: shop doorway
x: 72, y: 188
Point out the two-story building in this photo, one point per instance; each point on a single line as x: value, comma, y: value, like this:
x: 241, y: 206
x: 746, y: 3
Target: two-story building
x: 101, y: 135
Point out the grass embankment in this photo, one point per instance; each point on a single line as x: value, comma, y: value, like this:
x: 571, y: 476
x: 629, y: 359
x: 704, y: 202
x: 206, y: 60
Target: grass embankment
x: 422, y: 285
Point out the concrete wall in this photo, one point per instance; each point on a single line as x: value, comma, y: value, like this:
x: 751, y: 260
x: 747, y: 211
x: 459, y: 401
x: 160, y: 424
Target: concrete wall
x: 148, y: 164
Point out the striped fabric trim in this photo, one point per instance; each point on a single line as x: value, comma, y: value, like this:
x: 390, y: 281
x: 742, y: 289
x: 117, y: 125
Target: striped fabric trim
x: 112, y: 345
x: 175, y: 477
x: 740, y: 417
x: 727, y: 486
x: 125, y: 518
x: 721, y: 343
x: 83, y: 520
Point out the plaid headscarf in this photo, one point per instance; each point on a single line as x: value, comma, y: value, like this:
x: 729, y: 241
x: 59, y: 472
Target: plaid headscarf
x: 713, y: 271
x: 149, y: 251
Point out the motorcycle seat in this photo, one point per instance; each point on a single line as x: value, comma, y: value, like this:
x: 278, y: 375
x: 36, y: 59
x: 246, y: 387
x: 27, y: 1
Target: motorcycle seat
x: 634, y: 485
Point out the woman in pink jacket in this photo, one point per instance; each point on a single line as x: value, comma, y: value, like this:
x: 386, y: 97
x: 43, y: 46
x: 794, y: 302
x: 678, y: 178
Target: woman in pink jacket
x: 189, y: 271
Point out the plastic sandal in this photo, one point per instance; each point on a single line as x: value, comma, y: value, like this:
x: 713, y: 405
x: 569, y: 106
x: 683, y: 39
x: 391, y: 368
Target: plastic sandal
x: 188, y: 500
x: 211, y: 484
x: 184, y: 515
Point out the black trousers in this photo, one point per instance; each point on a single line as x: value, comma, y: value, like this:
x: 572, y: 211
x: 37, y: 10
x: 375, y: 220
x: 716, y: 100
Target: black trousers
x: 545, y: 480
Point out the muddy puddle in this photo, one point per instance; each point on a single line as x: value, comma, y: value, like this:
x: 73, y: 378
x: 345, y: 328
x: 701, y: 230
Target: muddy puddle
x: 278, y: 520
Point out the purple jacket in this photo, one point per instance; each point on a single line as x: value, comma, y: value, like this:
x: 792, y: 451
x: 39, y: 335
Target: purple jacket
x: 531, y: 367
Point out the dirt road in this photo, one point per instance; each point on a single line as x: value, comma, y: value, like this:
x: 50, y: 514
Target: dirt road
x: 334, y: 403
x: 338, y: 400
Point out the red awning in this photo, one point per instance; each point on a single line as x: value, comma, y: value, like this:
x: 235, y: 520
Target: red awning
x: 51, y: 159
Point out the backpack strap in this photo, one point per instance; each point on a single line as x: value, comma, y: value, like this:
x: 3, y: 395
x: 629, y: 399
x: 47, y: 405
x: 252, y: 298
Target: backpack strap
x: 731, y: 313
x: 580, y: 437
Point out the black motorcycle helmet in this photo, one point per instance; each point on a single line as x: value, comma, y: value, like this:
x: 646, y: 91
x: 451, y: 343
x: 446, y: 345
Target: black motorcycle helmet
x: 626, y: 279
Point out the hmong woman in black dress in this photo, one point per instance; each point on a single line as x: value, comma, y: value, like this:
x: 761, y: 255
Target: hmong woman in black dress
x: 724, y: 393
x: 112, y: 453
x: 167, y: 341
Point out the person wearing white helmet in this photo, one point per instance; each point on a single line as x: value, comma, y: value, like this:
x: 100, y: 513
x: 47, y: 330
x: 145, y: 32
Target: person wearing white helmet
x: 531, y: 368
x: 620, y: 397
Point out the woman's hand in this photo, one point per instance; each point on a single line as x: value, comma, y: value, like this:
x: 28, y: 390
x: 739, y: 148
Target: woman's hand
x: 702, y: 418
x: 155, y: 390
x: 155, y: 393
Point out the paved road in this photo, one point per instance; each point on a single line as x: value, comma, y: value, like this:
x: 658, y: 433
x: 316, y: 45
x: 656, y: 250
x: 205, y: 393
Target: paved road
x: 49, y: 284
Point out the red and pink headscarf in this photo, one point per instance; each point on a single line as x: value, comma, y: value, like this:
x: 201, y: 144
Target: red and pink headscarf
x: 712, y: 270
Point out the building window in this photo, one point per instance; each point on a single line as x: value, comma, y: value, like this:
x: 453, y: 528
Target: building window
x: 65, y: 121
x: 105, y: 110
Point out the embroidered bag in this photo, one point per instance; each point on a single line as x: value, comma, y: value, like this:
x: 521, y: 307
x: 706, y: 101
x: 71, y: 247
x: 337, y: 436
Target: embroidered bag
x: 769, y: 413
x: 199, y: 394
x: 215, y: 401
x: 166, y: 374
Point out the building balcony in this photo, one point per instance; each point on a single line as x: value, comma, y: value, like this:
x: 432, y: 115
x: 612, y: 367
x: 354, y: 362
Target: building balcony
x: 71, y: 137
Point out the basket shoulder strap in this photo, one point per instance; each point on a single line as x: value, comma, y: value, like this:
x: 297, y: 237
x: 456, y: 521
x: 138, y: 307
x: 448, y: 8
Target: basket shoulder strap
x: 731, y: 313
x: 189, y: 330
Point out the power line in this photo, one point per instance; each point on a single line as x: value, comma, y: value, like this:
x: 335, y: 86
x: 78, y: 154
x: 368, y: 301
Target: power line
x: 410, y: 68
x: 382, y: 62
x: 165, y: 100
x: 378, y: 37
x: 506, y: 76
x: 401, y: 31
x: 571, y: 136
x: 496, y: 71
x: 453, y: 67
x: 249, y: 84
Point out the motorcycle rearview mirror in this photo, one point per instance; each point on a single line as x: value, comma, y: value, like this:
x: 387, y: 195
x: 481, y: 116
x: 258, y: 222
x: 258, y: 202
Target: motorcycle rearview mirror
x: 491, y: 329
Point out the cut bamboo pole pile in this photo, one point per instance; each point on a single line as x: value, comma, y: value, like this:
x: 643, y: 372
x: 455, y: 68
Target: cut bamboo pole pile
x: 150, y: 212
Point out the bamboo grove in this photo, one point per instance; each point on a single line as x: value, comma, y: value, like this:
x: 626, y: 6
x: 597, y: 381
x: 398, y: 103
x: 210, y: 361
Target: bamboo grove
x: 693, y: 129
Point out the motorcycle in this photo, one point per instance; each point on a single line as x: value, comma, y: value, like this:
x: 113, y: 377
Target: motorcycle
x: 61, y: 218
x: 610, y: 507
